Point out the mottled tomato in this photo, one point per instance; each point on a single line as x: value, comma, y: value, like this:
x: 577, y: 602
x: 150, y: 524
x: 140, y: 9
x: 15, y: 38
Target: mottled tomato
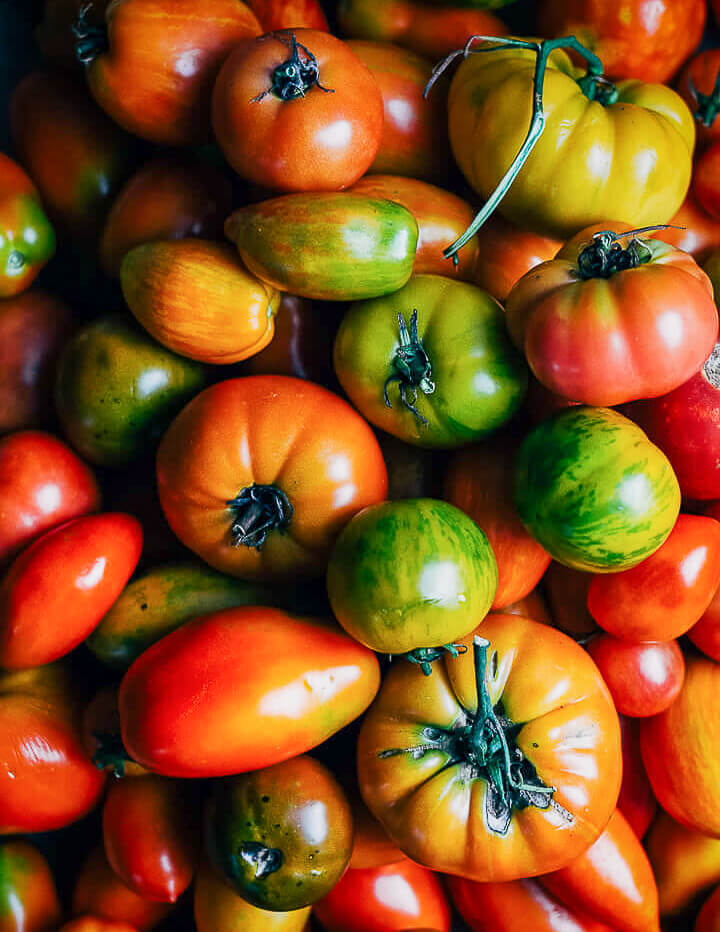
x: 479, y: 481
x: 185, y: 713
x: 42, y: 484
x: 258, y: 475
x: 384, y: 899
x: 567, y: 590
x: 28, y: 899
x: 284, y: 14
x: 696, y: 231
x: 636, y: 800
x: 685, y: 862
x: 505, y: 253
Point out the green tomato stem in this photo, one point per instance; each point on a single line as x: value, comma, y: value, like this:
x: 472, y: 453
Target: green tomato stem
x: 258, y: 510
x: 91, y: 39
x: 708, y: 105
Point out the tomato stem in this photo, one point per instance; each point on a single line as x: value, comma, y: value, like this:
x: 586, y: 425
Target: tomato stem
x: 412, y: 367
x: 15, y: 260
x: 265, y: 860
x: 258, y: 510
x: 708, y: 105
x: 294, y: 77
x: 91, y: 39
x: 110, y: 753
x: 604, y: 255
x: 424, y: 657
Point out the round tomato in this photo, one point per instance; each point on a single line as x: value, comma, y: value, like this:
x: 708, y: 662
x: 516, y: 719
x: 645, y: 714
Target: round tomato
x: 685, y: 863
x: 706, y: 180
x: 505, y: 254
x: 283, y: 14
x: 185, y: 712
x: 517, y: 784
x: 431, y: 363
x: 28, y: 899
x: 636, y: 800
x: 695, y: 230
x: 566, y: 590
x: 593, y: 490
x: 258, y: 475
x: 699, y: 89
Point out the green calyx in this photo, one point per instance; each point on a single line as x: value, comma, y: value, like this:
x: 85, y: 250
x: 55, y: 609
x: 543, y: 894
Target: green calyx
x: 257, y: 510
x: 605, y: 255
x: 295, y: 76
x: 110, y: 753
x: 598, y: 88
x: 708, y: 105
x: 412, y: 369
x: 91, y: 38
x: 425, y: 657
x: 263, y: 860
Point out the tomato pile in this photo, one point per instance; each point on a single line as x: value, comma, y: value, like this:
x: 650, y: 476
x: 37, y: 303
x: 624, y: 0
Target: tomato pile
x: 359, y: 509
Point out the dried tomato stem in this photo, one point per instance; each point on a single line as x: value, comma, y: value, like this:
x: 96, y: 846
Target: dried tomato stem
x: 258, y: 510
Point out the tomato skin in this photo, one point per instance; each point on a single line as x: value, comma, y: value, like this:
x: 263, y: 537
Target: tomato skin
x: 362, y: 901
x: 708, y: 919
x: 685, y: 862
x: 28, y: 899
x: 147, y: 838
x: 298, y: 432
x: 284, y: 14
x: 532, y: 606
x: 699, y: 74
x: 662, y: 597
x: 636, y: 800
x: 427, y: 804
x: 42, y: 484
x: 705, y: 633
x: 371, y: 845
x: 184, y: 713
x: 95, y: 924
x: 566, y: 590
x: 156, y: 81
x: 706, y: 180
x: 679, y: 749
x: 699, y: 233
x: 479, y: 481
x: 506, y: 253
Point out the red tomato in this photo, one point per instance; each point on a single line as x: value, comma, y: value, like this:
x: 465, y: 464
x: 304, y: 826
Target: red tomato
x: 705, y: 634
x: 643, y: 678
x: 297, y: 111
x: 480, y: 482
x: 372, y: 847
x: 636, y: 800
x: 708, y: 919
x: 146, y: 831
x: 28, y: 898
x: 385, y: 899
x: 95, y: 924
x: 662, y: 597
x: 698, y: 233
x: 696, y: 86
x: 706, y: 180
x: 185, y: 713
x: 285, y: 14
x: 506, y: 253
x: 567, y: 593
x: 685, y: 863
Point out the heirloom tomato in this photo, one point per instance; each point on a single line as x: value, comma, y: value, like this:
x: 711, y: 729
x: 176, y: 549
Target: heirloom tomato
x: 27, y: 241
x: 685, y: 862
x: 96, y: 924
x: 566, y: 591
x: 706, y: 180
x: 479, y: 481
x: 681, y: 750
x: 593, y: 490
x: 42, y: 484
x: 297, y: 110
x: 153, y: 66
x: 286, y: 242
x: 186, y: 713
x: 284, y: 14
x: 28, y: 898
x: 411, y: 575
x: 636, y: 800
x: 708, y: 919
x: 372, y: 846
x: 693, y: 230
x: 258, y: 475
x: 614, y: 318
x: 505, y: 253
x: 699, y: 89
x: 516, y: 783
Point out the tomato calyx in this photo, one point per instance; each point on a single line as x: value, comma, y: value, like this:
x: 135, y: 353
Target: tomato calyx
x: 708, y: 105
x: 15, y: 262
x: 605, y: 255
x: 258, y: 510
x: 295, y: 76
x: 711, y: 367
x: 110, y: 753
x: 598, y: 88
x: 425, y: 657
x: 265, y: 860
x: 91, y: 39
x: 412, y: 367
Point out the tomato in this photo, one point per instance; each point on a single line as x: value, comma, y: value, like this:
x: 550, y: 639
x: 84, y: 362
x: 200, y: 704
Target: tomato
x: 76, y: 156
x: 532, y: 606
x: 593, y: 328
x: 185, y: 713
x: 100, y: 892
x: 27, y: 241
x: 457, y: 803
x: 506, y: 253
x: 47, y: 780
x: 685, y: 862
x: 297, y: 111
x: 147, y: 835
x: 116, y: 390
x: 705, y: 633
x: 165, y: 199
x: 197, y: 299
x: 94, y: 924
x: 441, y: 218
x: 414, y: 140
x: 385, y: 899
x: 28, y: 898
x: 371, y: 845
x: 593, y: 490
x: 631, y: 162
x: 412, y: 574
x: 680, y: 750
x: 282, y: 836
x: 286, y: 242
x: 708, y: 919
x: 426, y: 28
x: 636, y: 800
x: 33, y: 328
x: 154, y: 70
x: 643, y: 678
x: 283, y: 14
x: 541, y: 403
x: 444, y: 343
x: 696, y: 85
x: 101, y: 735
x: 258, y: 475
x: 636, y: 40
x: 698, y: 233
x: 706, y: 181
x: 219, y: 909
x: 479, y: 481
x: 567, y: 593
x: 42, y: 484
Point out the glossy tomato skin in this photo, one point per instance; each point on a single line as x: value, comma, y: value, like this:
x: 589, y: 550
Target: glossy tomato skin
x: 706, y: 180
x: 156, y: 77
x: 698, y: 233
x: 28, y: 899
x: 363, y: 902
x: 705, y: 633
x: 479, y: 481
x: 42, y: 484
x: 284, y: 14
x: 505, y: 253
x: 426, y: 802
x: 636, y: 800
x: 184, y: 713
x: 574, y: 482
x: 662, y: 597
x: 685, y: 863
x: 566, y: 590
x: 298, y: 434
x: 372, y: 846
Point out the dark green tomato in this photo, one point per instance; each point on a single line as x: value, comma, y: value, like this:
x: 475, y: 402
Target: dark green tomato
x: 283, y: 835
x: 411, y: 574
x: 335, y: 246
x: 594, y: 491
x: 117, y: 390
x: 450, y: 373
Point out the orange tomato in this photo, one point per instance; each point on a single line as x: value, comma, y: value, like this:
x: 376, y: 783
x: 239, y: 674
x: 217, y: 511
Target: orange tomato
x: 636, y: 800
x: 284, y: 14
x: 372, y: 846
x: 505, y: 253
x: 95, y: 924
x: 699, y: 233
x: 532, y: 606
x: 705, y: 633
x: 708, y: 919
x: 685, y: 862
x: 28, y: 899
x: 27, y: 240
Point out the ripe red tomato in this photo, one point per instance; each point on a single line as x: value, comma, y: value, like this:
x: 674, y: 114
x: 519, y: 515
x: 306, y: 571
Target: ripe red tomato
x: 28, y: 898
x: 685, y: 863
x: 705, y: 634
x: 285, y: 14
x: 297, y: 111
x: 385, y: 899
x: 506, y: 253
x: 636, y: 800
x: 662, y: 597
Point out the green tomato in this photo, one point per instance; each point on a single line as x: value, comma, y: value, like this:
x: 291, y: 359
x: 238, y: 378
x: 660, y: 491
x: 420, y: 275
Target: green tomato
x: 445, y: 375
x: 594, y: 491
x: 411, y: 574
